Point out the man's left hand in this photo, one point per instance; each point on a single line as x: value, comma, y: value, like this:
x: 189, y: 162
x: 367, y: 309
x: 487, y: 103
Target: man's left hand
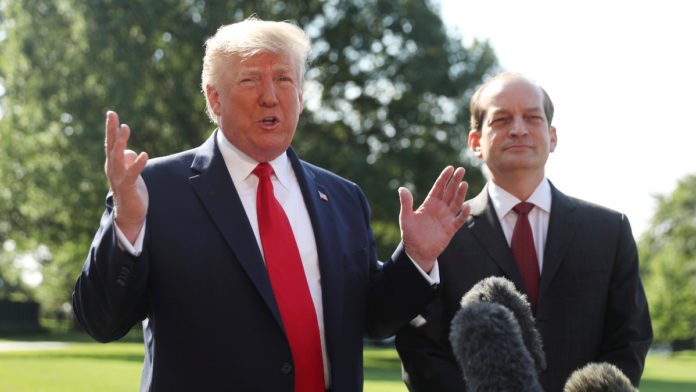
x: 427, y: 231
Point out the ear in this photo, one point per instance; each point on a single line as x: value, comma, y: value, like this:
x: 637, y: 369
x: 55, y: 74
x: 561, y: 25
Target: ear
x: 553, y: 139
x: 475, y: 143
x: 211, y: 94
x: 301, y: 98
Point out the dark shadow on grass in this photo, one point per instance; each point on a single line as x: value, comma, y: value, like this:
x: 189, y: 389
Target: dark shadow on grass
x: 51, y: 355
x: 383, y: 363
x: 662, y: 385
x: 382, y: 374
x: 380, y: 367
x: 68, y: 337
x: 134, y: 336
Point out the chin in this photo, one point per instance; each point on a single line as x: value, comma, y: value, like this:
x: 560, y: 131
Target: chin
x: 271, y: 153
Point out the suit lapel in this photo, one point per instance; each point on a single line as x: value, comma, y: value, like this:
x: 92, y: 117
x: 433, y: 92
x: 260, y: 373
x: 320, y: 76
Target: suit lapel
x: 217, y: 192
x: 484, y: 225
x: 318, y: 200
x: 562, y: 228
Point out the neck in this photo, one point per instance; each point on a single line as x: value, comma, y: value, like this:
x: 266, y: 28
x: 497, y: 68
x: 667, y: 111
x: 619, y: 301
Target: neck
x: 520, y: 185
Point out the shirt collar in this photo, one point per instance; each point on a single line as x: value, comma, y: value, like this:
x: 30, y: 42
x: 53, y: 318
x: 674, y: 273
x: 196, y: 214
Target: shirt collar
x: 241, y: 165
x: 503, y: 201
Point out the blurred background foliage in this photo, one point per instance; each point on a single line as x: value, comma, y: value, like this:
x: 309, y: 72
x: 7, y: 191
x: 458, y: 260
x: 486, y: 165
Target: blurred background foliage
x: 668, y: 266
x: 386, y: 105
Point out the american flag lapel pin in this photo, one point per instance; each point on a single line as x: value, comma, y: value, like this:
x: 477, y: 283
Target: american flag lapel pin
x: 323, y: 196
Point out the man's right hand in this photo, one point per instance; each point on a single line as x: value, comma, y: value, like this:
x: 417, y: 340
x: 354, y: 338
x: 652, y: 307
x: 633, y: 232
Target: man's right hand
x: 123, y: 168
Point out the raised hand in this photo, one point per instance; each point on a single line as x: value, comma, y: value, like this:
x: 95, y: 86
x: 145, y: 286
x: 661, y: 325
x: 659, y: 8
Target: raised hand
x: 427, y: 231
x: 123, y: 168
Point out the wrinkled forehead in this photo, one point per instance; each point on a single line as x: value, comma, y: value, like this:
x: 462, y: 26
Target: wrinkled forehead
x: 262, y: 61
x: 275, y: 59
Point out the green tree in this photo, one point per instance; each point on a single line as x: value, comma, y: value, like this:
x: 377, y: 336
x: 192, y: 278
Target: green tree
x: 668, y: 256
x: 385, y: 105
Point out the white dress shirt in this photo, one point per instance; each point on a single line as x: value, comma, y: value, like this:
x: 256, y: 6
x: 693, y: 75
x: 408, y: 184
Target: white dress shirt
x: 538, y: 216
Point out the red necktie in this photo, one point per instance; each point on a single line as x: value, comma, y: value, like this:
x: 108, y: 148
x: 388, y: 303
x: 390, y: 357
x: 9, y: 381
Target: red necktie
x: 525, y: 254
x: 289, y: 283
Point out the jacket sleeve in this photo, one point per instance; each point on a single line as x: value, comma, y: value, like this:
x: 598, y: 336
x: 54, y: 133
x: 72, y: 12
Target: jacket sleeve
x: 398, y: 291
x: 110, y: 294
x: 428, y: 364
x: 627, y: 329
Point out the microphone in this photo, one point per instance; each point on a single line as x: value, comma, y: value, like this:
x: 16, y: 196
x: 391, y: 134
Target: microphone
x: 498, y: 348
x: 598, y: 377
x: 500, y: 290
x: 488, y: 346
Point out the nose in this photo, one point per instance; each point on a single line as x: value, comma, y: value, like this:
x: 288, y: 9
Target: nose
x: 518, y: 127
x: 267, y: 93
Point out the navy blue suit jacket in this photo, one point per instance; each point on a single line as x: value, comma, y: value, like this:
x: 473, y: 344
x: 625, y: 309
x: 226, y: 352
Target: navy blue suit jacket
x: 200, y: 286
x: 591, y: 306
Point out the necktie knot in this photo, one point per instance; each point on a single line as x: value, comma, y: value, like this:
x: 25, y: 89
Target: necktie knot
x: 523, y: 208
x: 263, y: 170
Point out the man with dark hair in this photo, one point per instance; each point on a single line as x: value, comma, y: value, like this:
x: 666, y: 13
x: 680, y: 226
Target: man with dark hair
x: 576, y: 262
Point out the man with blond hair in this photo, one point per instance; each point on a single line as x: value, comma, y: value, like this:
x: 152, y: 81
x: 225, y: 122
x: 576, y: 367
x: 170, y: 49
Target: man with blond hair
x: 250, y: 269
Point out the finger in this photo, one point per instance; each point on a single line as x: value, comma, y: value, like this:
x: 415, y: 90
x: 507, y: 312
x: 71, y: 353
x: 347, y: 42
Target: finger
x: 110, y: 131
x: 453, y: 185
x: 129, y: 156
x: 119, y: 147
x: 461, y: 218
x: 459, y: 196
x: 406, y: 199
x: 441, y: 182
x: 137, y: 166
x: 458, y: 175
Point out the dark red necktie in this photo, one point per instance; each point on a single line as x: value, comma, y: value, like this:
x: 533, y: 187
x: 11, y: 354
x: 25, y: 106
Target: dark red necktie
x: 525, y: 254
x: 289, y: 285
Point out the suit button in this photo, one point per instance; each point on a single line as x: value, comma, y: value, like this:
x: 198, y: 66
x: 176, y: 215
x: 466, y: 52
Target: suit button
x: 286, y: 368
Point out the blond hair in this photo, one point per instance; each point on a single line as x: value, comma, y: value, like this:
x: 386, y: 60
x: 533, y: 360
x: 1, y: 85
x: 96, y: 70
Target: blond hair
x: 248, y: 38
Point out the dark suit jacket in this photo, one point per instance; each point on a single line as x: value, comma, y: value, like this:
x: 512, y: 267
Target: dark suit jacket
x: 200, y: 286
x: 591, y: 304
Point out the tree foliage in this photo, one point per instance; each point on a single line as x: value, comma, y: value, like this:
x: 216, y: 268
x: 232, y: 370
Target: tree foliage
x: 386, y: 105
x: 668, y: 255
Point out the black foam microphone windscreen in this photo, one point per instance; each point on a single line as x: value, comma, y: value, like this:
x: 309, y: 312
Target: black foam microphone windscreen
x: 502, y: 291
x: 487, y: 343
x: 598, y: 377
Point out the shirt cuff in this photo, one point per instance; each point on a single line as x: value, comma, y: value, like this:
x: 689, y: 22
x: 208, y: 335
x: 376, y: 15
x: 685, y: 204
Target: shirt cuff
x: 137, y: 248
x: 433, y: 277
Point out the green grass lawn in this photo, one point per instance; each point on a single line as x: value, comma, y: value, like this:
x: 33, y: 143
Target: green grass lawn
x: 676, y: 373
x: 383, y: 370
x: 80, y: 367
x: 85, y: 366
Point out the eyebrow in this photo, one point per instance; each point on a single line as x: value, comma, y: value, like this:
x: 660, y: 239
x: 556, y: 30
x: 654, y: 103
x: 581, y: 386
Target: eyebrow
x: 535, y: 109
x: 492, y: 113
x: 497, y: 112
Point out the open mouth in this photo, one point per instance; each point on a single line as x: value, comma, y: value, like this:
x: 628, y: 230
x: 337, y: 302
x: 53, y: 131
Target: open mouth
x: 269, y: 121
